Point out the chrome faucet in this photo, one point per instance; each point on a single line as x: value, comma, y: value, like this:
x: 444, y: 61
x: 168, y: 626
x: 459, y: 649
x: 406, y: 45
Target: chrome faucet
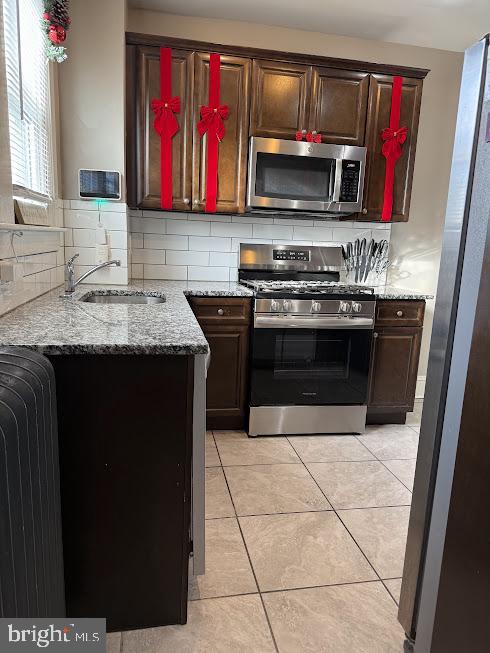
x: 71, y: 284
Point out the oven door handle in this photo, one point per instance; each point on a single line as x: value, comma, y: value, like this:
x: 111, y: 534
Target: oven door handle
x: 313, y: 322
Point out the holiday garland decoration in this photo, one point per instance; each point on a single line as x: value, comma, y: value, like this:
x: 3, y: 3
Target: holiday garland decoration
x: 166, y: 125
x: 211, y: 122
x: 393, y: 138
x: 56, y: 23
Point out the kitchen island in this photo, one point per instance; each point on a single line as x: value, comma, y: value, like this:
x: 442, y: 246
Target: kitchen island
x: 131, y: 413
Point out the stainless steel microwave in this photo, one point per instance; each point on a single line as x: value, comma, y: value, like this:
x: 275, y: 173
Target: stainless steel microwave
x: 309, y: 177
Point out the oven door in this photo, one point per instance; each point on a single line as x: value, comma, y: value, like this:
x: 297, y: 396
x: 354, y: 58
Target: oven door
x: 311, y: 366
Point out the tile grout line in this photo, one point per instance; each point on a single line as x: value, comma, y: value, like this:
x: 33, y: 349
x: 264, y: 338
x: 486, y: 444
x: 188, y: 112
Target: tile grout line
x: 341, y: 521
x: 248, y: 555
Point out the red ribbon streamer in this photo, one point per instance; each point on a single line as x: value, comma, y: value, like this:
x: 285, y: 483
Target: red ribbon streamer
x: 393, y: 138
x: 211, y: 122
x: 166, y: 125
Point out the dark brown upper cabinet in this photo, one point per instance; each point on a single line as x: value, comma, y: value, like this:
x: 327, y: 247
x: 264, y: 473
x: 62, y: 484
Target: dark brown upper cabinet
x: 146, y: 155
x: 232, y: 162
x: 378, y: 117
x: 280, y: 99
x: 338, y: 105
x: 271, y: 94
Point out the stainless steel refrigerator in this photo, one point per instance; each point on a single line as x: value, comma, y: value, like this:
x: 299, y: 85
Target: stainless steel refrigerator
x: 453, y: 462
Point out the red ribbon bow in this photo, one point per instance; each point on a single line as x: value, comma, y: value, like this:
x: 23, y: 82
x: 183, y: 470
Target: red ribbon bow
x: 212, y: 121
x: 393, y: 141
x: 165, y: 121
x: 393, y: 138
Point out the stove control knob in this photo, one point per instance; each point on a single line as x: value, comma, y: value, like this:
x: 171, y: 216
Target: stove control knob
x: 275, y: 305
x: 344, y: 307
x: 316, y: 307
x: 286, y: 305
x: 356, y: 307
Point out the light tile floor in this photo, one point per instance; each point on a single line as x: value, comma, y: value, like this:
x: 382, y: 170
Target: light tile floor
x: 305, y: 542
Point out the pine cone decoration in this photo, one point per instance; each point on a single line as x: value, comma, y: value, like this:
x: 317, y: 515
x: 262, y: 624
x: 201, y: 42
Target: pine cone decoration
x: 58, y: 13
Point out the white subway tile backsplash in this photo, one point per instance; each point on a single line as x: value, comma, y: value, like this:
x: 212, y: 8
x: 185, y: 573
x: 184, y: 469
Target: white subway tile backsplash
x: 272, y: 231
x: 235, y: 242
x: 115, y: 221
x: 175, y: 272
x: 233, y: 229
x: 112, y: 207
x: 84, y: 205
x: 83, y: 237
x: 159, y: 215
x: 312, y: 233
x: 150, y: 256
x: 187, y: 258
x: 188, y: 228
x: 209, y: 217
x: 209, y: 244
x: 157, y: 241
x: 117, y: 239
x: 208, y: 273
x: 137, y: 271
x: 224, y: 259
x: 197, y: 246
x: 293, y: 221
x: 151, y: 225
x: 81, y: 219
x: 136, y: 241
x: 252, y: 219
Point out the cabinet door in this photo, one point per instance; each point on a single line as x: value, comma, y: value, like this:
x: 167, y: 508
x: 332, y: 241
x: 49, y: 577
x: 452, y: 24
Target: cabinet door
x: 227, y: 375
x: 147, y: 141
x: 339, y: 105
x: 232, y: 163
x: 280, y: 97
x: 379, y: 107
x: 394, y: 366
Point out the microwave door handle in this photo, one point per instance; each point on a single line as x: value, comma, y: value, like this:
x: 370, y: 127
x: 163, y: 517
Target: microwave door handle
x: 331, y: 181
x: 338, y: 179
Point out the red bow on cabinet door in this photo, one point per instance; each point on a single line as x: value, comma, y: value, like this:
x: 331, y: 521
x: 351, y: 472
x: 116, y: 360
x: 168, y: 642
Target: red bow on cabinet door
x: 393, y: 138
x: 211, y: 123
x: 166, y: 125
x: 311, y: 137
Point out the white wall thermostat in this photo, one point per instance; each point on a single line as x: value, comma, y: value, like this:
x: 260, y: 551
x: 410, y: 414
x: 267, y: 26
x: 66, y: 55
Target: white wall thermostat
x: 99, y: 184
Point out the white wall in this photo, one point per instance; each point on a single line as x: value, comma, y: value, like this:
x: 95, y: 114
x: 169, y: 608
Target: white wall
x: 415, y: 245
x: 92, y: 98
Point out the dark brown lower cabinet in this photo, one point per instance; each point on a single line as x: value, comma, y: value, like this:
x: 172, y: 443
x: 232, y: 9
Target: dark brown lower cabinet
x: 395, y: 360
x: 125, y: 434
x: 226, y: 325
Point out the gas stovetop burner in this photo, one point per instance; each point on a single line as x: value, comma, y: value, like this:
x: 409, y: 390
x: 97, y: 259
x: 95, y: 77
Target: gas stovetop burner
x: 305, y: 287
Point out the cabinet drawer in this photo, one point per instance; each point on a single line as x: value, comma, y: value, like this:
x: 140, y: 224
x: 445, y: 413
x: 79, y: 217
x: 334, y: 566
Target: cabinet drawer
x: 400, y: 313
x: 211, y: 309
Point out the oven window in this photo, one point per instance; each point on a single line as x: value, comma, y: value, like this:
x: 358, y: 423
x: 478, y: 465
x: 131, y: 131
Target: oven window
x: 299, y: 356
x: 294, y: 177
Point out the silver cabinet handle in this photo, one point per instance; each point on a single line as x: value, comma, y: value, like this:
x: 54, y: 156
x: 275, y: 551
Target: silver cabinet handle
x: 364, y: 211
x: 187, y: 200
x: 399, y: 313
x: 221, y: 311
x: 375, y: 335
x: 303, y: 131
x: 196, y: 202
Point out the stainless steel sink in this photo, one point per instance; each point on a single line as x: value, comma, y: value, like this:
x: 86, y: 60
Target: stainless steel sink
x: 99, y: 298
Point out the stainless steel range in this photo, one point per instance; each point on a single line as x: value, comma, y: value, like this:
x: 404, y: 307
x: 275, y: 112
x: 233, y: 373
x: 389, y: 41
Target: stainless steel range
x: 311, y: 341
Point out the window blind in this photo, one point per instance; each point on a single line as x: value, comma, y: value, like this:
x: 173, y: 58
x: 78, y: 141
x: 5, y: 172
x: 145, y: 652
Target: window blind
x: 28, y: 95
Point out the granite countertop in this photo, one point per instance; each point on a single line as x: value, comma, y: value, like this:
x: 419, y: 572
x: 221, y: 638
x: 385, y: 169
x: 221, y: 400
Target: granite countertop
x: 53, y: 325
x: 392, y: 292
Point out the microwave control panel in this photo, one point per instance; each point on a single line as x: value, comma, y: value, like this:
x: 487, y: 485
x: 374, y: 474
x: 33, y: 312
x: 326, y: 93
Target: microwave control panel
x: 349, y: 183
